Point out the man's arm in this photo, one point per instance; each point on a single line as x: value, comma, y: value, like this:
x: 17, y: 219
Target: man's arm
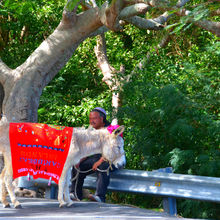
x: 98, y: 163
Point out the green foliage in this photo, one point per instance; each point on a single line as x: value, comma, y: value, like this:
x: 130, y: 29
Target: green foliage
x: 170, y: 106
x: 24, y: 25
x: 203, y: 209
x: 75, y: 91
x: 199, y: 10
x: 71, y: 4
x: 176, y: 115
x: 171, y: 110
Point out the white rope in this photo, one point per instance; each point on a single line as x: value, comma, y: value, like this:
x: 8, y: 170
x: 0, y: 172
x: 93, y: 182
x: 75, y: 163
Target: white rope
x: 86, y: 171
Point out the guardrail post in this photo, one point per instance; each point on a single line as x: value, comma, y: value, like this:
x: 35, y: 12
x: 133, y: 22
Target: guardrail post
x: 23, y: 182
x: 53, y: 192
x: 169, y: 203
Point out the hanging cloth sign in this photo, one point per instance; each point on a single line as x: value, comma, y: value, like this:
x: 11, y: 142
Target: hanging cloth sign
x: 39, y: 150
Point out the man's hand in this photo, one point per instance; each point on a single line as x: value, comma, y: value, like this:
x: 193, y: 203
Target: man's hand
x: 98, y: 163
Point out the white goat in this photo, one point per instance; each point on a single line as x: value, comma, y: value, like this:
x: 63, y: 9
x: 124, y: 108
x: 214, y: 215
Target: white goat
x: 85, y: 142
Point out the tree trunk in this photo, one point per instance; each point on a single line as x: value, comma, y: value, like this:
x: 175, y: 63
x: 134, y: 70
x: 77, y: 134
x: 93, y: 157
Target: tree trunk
x: 23, y: 86
x: 20, y: 89
x: 109, y: 74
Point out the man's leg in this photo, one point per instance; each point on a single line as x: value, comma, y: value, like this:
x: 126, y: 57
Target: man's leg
x: 86, y: 165
x: 103, y: 179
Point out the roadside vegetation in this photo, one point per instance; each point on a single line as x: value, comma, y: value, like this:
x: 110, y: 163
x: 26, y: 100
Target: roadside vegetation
x: 170, y: 96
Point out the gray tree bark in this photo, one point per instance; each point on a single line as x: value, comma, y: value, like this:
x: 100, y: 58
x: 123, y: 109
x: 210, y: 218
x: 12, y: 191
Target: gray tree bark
x: 23, y: 86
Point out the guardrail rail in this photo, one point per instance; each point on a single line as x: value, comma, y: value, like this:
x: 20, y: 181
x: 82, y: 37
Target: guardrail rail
x: 159, y: 183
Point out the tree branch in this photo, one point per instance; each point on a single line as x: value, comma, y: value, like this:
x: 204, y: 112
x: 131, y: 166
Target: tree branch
x: 156, y: 23
x: 134, y: 10
x: 109, y: 14
x: 69, y: 12
x: 211, y: 26
x: 165, y: 40
x: 103, y: 63
x: 142, y: 23
x: 162, y: 19
x: 2, y: 95
x: 181, y: 3
x: 146, y: 59
x: 100, y: 31
x: 153, y: 3
x: 108, y: 72
x: 93, y: 3
x: 215, y: 13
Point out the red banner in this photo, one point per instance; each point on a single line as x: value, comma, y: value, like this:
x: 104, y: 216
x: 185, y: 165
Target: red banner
x: 39, y: 150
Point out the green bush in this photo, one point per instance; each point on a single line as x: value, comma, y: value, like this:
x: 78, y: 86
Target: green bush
x: 166, y: 110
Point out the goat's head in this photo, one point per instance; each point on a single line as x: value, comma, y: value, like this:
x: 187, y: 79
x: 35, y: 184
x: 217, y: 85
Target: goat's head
x: 113, y: 149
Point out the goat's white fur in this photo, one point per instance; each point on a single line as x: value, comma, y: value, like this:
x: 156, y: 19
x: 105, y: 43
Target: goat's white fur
x: 85, y: 142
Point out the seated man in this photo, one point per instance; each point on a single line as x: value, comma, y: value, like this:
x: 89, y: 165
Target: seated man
x: 97, y: 119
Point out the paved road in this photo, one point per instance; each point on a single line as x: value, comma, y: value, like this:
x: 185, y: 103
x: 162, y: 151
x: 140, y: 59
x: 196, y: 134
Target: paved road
x: 48, y: 209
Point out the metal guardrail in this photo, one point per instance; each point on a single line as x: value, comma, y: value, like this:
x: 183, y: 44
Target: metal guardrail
x: 159, y: 183
x: 163, y: 184
x: 124, y: 181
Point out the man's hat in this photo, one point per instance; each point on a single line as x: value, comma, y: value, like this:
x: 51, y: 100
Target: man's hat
x: 100, y: 110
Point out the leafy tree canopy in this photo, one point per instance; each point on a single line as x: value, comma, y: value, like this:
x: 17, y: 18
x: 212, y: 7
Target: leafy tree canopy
x: 170, y: 96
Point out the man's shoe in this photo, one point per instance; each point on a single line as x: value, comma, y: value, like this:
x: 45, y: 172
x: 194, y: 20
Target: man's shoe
x: 73, y: 197
x: 94, y: 198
